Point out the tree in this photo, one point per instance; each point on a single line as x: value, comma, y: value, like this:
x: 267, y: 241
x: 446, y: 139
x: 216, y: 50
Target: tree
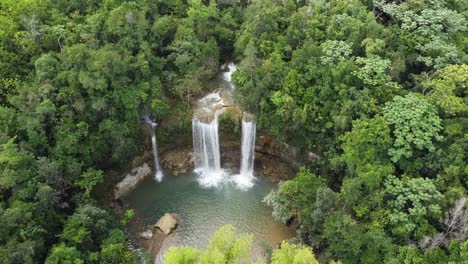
x: 127, y: 25
x: 415, y: 125
x: 201, y: 17
x: 113, y: 249
x: 295, y: 194
x: 181, y: 255
x: 62, y: 254
x: 352, y: 242
x: 411, y: 201
x: 89, y: 179
x: 225, y: 247
x: 456, y: 253
x: 447, y: 89
x: 367, y: 163
x: 293, y: 254
x: 335, y: 51
x: 431, y: 27
x: 14, y: 164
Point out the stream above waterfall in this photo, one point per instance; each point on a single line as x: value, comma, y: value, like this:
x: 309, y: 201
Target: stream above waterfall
x: 205, y: 135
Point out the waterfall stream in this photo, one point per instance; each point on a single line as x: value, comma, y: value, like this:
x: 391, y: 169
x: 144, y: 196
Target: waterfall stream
x: 158, y: 175
x: 245, y: 179
x: 206, y: 151
x: 248, y: 148
x: 206, y: 138
x: 227, y: 75
x: 205, y: 131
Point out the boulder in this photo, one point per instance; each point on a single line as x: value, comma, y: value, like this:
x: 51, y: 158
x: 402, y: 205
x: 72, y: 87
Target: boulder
x: 147, y: 234
x: 179, y: 161
x: 167, y: 223
x: 131, y: 180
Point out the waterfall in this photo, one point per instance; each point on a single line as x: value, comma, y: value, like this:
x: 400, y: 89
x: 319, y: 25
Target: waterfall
x: 206, y: 151
x: 245, y: 178
x: 205, y: 130
x: 158, y: 175
x: 248, y: 148
x: 227, y: 75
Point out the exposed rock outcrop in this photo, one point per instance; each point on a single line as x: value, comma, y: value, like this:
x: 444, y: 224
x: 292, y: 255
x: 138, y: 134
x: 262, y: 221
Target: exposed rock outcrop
x: 273, y: 168
x: 178, y: 161
x: 131, y: 180
x: 167, y: 223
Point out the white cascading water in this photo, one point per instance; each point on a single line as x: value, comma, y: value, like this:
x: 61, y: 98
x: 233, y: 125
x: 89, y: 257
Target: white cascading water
x: 245, y: 179
x: 227, y: 75
x: 206, y: 140
x: 158, y: 174
x: 207, y: 154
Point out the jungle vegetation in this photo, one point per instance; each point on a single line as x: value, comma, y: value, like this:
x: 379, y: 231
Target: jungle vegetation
x: 377, y: 88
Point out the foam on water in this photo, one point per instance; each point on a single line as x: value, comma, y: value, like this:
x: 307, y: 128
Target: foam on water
x: 227, y: 75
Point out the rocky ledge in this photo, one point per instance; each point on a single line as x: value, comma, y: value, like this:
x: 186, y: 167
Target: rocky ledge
x: 178, y: 161
x: 155, y: 235
x: 131, y: 180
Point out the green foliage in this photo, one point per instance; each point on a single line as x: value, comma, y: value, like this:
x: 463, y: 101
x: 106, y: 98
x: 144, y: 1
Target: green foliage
x: 416, y: 124
x: 411, y: 202
x: 456, y: 253
x: 230, y: 121
x: 294, y: 194
x: 341, y: 70
x: 88, y: 180
x: 225, y: 247
x: 92, y: 232
x: 376, y: 88
x: 181, y: 255
x: 432, y: 27
x: 63, y: 254
x: 232, y: 247
x: 367, y: 164
x: 74, y: 79
x: 354, y: 243
x: 335, y: 51
x: 290, y: 253
x: 228, y: 247
x: 446, y: 89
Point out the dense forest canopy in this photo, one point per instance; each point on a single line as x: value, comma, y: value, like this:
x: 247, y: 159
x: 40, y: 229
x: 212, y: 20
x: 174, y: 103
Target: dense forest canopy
x: 377, y: 88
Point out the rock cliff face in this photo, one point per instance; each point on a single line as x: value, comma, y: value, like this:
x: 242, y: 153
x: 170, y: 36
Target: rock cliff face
x: 131, y: 180
x: 178, y: 161
x: 272, y: 161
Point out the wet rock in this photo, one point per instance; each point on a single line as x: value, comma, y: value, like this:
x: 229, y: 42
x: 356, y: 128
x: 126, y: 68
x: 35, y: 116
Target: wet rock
x: 131, y: 180
x: 167, y: 223
x: 139, y: 160
x: 179, y: 161
x: 147, y: 234
x: 272, y: 168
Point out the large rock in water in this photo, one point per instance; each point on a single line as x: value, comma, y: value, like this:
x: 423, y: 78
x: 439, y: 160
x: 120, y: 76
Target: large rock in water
x: 167, y: 223
x: 131, y: 180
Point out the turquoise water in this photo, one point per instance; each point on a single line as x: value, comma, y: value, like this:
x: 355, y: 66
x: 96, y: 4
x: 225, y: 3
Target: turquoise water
x: 201, y: 211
